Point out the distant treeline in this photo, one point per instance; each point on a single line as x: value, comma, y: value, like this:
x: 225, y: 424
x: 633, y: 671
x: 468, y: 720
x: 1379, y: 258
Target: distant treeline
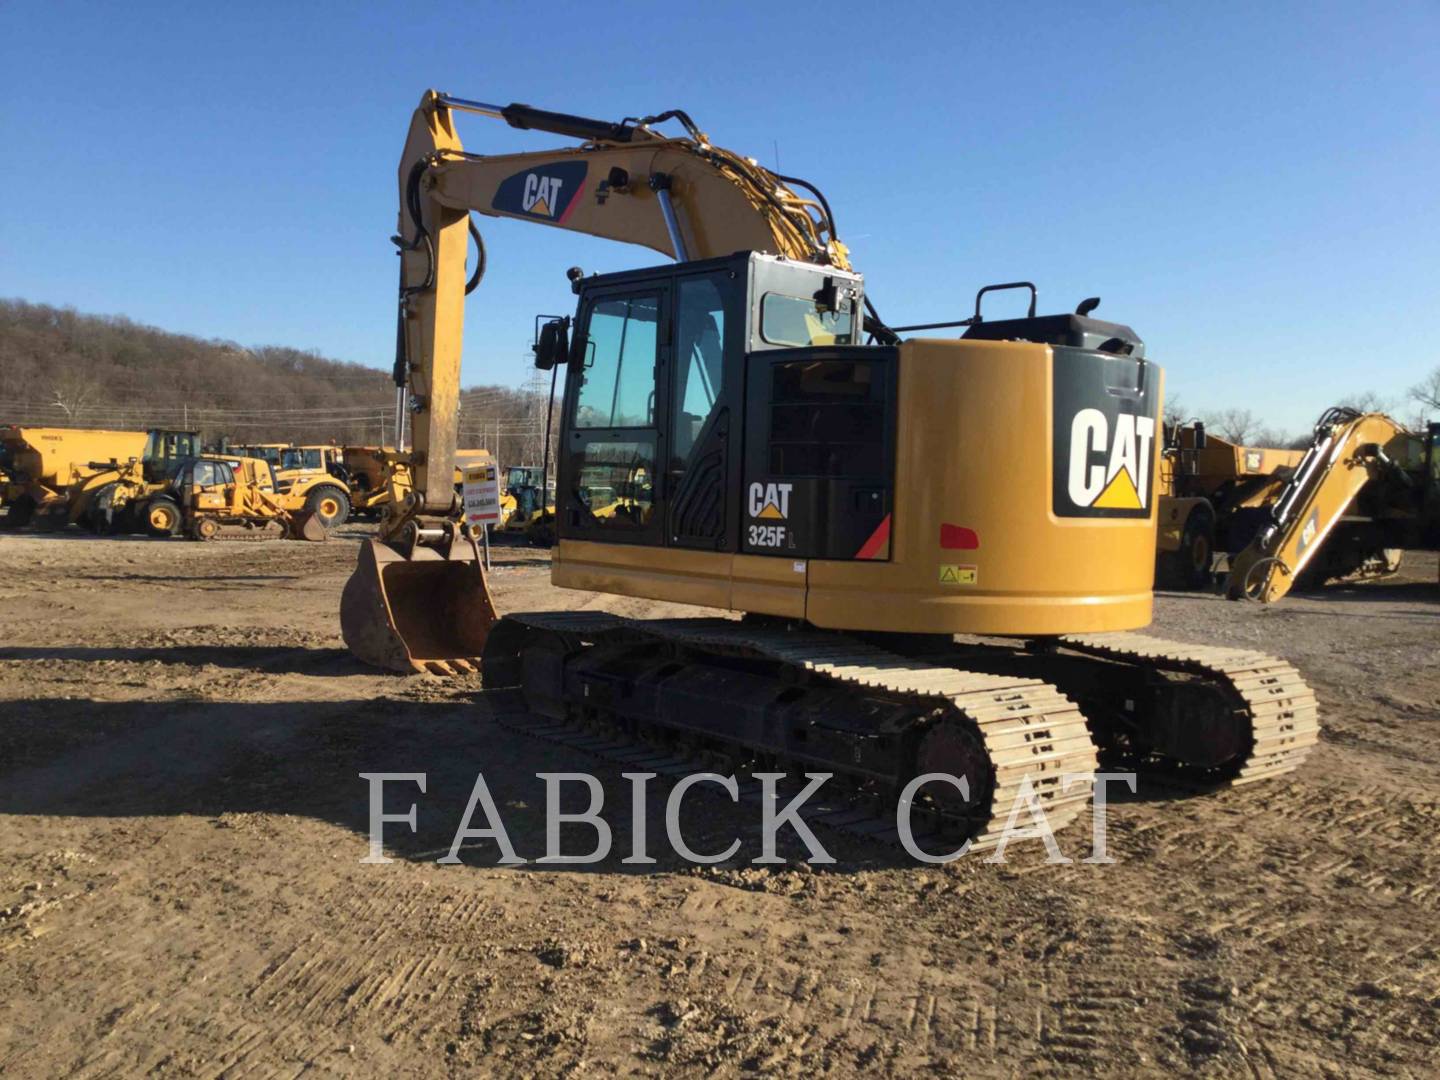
x: 59, y: 367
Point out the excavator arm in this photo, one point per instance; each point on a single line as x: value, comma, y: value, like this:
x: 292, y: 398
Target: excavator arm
x: 418, y: 598
x: 683, y: 197
x: 1348, y: 453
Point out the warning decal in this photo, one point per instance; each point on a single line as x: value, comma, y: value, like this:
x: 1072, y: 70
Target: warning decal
x: 951, y: 574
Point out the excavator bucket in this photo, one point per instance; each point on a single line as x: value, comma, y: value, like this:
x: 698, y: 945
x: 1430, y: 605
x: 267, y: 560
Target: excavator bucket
x: 428, y: 612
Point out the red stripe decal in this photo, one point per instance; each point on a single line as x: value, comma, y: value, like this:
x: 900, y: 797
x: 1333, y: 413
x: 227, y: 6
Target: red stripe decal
x: 570, y: 208
x: 959, y: 538
x: 878, y: 539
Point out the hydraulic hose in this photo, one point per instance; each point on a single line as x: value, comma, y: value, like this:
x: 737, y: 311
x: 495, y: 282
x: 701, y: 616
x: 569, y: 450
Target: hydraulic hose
x: 819, y: 197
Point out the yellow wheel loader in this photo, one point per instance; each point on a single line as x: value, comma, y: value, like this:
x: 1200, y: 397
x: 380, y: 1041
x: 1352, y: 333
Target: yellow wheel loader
x: 309, y: 478
x: 856, y: 497
x: 109, y: 498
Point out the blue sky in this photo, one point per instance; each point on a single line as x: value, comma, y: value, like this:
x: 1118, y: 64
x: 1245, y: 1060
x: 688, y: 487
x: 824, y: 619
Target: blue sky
x: 1253, y: 187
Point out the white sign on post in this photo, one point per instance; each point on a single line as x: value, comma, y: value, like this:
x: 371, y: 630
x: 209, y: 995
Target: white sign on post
x: 482, y: 494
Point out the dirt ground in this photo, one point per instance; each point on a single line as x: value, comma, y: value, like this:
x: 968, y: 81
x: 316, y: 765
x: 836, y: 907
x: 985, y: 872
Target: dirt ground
x: 182, y: 893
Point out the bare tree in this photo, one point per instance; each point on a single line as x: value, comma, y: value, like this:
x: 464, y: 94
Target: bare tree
x: 1233, y: 425
x: 72, y: 391
x: 1427, y: 392
x: 1176, y: 412
x: 1269, y: 436
x: 1366, y: 402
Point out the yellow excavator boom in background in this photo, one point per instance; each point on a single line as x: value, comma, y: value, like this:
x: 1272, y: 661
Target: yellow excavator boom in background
x: 1352, y: 454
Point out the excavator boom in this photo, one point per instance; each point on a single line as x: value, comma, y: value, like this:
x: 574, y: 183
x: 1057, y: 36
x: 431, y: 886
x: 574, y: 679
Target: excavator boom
x: 681, y: 196
x: 1349, y: 452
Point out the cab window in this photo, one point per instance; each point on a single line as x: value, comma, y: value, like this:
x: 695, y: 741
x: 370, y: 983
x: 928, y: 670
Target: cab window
x: 699, y: 362
x: 797, y: 321
x: 618, y: 385
x: 615, y: 431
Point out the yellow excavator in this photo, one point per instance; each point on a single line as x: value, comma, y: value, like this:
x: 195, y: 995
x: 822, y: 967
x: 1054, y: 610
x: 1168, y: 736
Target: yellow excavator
x: 1365, y: 489
x: 856, y: 496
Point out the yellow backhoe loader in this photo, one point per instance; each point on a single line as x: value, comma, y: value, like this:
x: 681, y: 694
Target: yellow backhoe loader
x: 1365, y: 489
x: 111, y: 496
x: 856, y: 504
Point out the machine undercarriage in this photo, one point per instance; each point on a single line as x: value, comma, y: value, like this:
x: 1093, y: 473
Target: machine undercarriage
x: 728, y: 694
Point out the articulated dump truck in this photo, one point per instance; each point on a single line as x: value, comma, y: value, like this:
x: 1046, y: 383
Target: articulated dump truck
x: 41, y: 463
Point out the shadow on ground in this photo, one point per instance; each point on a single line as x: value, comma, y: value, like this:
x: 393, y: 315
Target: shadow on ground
x: 261, y: 659
x: 210, y: 758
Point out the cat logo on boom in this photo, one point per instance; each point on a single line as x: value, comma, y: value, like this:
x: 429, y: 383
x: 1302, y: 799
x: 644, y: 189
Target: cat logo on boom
x: 546, y: 193
x: 542, y: 194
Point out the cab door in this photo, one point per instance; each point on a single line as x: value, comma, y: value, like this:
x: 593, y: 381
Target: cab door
x: 611, y: 487
x: 703, y: 416
x: 212, y: 485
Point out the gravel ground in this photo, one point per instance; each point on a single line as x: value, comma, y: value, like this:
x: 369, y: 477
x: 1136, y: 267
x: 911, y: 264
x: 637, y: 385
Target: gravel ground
x: 182, y: 892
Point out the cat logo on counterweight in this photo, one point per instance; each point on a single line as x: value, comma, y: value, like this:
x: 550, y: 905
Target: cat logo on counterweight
x: 1105, y: 422
x: 1110, y: 469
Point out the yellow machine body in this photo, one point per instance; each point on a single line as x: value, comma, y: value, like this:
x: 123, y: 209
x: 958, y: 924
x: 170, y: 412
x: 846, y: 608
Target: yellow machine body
x: 962, y: 475
x: 973, y: 420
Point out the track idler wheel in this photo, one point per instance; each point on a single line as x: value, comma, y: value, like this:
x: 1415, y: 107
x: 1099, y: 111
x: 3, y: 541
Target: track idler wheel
x: 954, y: 748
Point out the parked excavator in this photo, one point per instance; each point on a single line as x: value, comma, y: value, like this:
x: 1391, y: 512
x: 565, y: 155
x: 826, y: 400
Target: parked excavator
x: 1213, y: 495
x: 1364, y: 490
x: 858, y: 498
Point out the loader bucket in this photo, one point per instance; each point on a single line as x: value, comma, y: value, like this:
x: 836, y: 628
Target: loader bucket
x: 306, y: 525
x: 428, y: 612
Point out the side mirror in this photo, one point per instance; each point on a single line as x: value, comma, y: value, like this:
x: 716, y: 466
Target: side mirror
x: 827, y: 297
x: 553, y: 344
x: 1199, y: 436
